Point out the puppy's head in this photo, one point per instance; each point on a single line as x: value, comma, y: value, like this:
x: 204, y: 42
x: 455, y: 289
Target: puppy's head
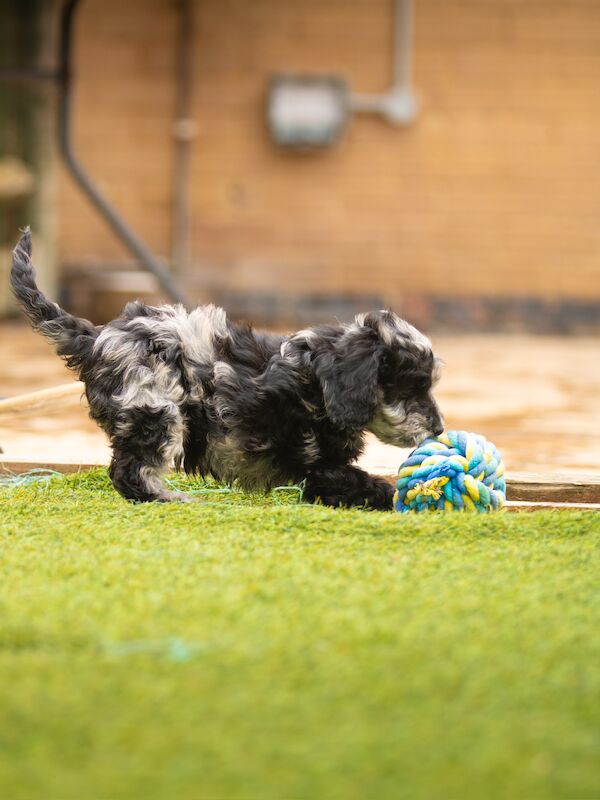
x: 378, y: 376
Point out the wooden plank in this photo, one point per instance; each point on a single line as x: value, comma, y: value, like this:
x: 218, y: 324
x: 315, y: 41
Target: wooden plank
x: 518, y: 505
x: 557, y: 488
x: 43, y: 400
x: 553, y: 488
x: 17, y: 466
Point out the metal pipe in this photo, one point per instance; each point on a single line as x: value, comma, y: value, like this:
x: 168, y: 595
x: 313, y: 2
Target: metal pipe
x: 402, y: 53
x: 399, y: 104
x: 133, y: 243
x: 184, y: 131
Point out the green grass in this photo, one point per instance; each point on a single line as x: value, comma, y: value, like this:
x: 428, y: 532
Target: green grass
x: 255, y: 647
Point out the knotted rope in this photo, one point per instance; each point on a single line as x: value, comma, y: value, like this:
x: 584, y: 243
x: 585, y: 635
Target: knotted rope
x: 456, y: 471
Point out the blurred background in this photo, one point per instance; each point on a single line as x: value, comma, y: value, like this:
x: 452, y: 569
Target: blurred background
x: 299, y: 161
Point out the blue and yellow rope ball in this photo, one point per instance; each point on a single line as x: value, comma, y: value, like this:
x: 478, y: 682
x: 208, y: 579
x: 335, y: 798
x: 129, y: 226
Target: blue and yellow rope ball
x: 457, y: 471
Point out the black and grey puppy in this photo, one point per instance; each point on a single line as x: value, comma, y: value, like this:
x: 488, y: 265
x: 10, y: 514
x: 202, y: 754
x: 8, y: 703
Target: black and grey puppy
x: 257, y: 409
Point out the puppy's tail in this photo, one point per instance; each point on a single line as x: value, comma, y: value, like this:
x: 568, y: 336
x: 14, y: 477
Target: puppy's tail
x: 73, y: 338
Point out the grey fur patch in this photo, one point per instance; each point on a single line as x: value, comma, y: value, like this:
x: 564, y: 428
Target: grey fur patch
x: 311, y: 448
x: 251, y: 471
x: 391, y: 327
x: 392, y: 424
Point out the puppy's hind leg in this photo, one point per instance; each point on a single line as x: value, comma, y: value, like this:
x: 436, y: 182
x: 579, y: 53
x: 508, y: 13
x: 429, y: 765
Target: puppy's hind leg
x: 145, y: 441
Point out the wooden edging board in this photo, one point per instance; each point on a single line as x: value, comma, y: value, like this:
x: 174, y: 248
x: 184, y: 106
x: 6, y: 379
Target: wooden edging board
x: 556, y: 488
x: 17, y: 466
x: 46, y: 400
x: 520, y: 505
x: 525, y: 491
x: 559, y: 489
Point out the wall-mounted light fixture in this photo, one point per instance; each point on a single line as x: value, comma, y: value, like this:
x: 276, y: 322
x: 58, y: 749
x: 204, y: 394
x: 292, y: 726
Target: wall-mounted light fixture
x: 307, y: 111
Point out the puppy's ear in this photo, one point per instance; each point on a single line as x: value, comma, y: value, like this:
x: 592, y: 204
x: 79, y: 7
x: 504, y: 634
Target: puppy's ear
x: 348, y: 374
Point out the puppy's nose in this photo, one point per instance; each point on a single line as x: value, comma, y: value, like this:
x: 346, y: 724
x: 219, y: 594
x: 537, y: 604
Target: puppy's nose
x: 438, y: 428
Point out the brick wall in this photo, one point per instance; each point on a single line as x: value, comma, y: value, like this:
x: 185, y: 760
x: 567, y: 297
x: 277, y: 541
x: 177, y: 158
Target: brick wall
x: 493, y: 192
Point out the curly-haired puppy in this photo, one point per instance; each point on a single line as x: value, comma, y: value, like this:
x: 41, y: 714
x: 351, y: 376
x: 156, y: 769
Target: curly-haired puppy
x: 257, y: 409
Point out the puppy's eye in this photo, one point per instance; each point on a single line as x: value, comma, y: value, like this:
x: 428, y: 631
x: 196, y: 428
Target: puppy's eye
x: 422, y: 386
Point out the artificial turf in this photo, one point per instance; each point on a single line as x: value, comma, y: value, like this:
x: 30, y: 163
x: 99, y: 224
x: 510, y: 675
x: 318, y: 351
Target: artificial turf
x: 256, y: 647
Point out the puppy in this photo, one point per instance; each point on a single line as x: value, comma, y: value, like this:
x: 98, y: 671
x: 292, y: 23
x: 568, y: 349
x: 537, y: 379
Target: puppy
x: 255, y: 409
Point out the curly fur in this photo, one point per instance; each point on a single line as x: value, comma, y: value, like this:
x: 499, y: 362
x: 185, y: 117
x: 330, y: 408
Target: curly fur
x: 258, y: 409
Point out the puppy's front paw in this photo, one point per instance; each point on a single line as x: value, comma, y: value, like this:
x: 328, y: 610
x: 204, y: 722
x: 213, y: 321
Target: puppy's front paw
x: 381, y: 498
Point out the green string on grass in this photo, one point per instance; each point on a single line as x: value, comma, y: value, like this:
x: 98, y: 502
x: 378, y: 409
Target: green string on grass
x: 295, y: 487
x: 39, y: 475
x: 276, y: 491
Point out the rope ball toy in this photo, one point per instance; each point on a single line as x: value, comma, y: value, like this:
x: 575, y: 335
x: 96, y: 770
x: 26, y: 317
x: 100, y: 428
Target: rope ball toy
x: 457, y: 471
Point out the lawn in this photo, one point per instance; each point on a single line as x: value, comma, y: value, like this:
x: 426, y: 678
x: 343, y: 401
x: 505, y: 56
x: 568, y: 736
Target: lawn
x: 256, y: 647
